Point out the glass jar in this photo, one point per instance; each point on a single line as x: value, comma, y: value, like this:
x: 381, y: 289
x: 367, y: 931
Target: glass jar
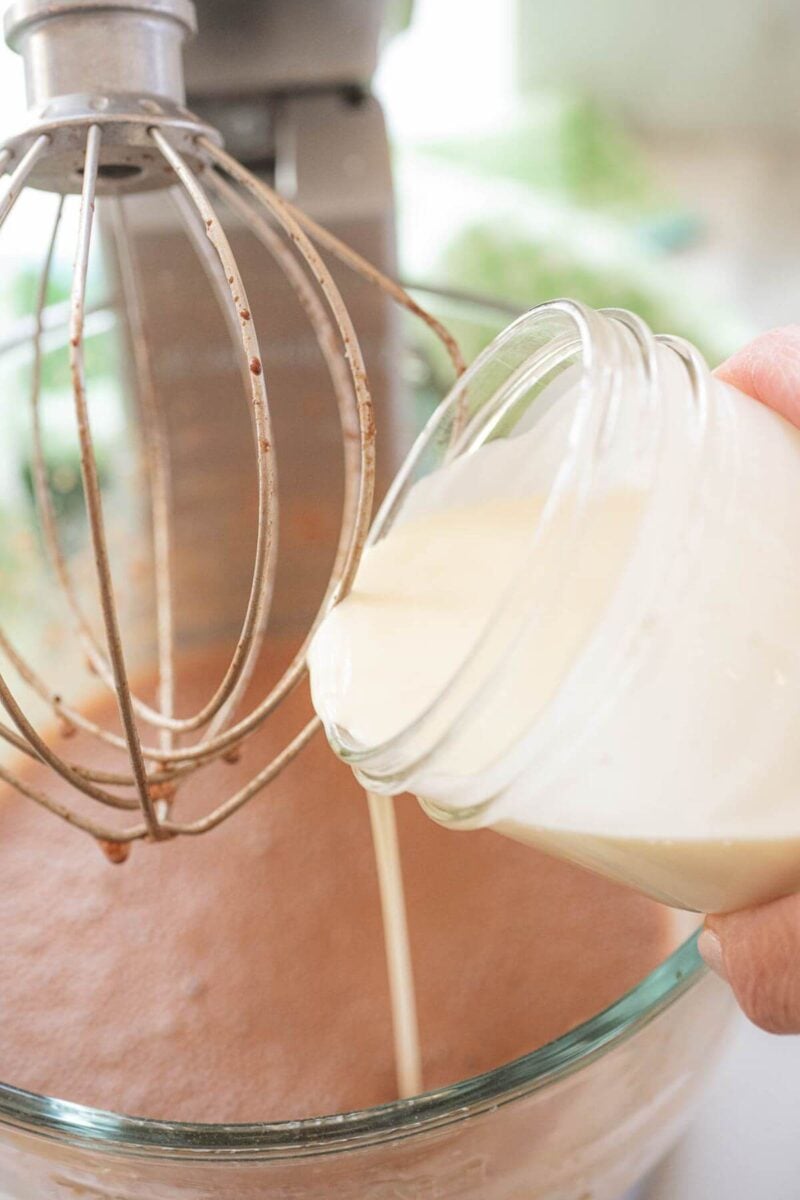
x: 662, y: 748
x: 586, y: 1115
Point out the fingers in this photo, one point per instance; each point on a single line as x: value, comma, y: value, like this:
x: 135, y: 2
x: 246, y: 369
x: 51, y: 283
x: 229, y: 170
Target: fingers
x: 769, y: 369
x: 758, y: 952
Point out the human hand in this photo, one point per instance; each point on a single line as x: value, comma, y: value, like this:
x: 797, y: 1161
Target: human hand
x: 758, y: 950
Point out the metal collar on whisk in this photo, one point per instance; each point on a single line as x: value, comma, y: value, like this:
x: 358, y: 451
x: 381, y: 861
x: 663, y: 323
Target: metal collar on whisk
x: 117, y: 64
x: 105, y: 88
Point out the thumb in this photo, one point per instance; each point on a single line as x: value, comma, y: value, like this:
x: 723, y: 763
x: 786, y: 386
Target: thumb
x: 768, y: 369
x: 758, y: 952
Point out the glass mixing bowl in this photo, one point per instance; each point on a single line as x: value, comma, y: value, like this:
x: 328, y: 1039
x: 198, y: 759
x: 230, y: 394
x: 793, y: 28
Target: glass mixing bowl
x: 582, y: 1118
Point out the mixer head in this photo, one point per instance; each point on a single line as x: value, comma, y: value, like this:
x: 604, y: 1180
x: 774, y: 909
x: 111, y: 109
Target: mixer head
x: 107, y: 119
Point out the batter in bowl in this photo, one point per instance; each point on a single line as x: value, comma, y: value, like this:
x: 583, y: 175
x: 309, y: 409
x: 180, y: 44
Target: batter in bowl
x: 241, y: 976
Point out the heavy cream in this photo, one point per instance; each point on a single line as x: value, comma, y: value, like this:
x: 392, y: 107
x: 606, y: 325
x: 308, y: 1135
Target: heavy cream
x: 611, y: 671
x: 426, y: 594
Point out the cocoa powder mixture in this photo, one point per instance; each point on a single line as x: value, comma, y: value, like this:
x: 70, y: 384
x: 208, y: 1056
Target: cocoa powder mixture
x: 240, y: 976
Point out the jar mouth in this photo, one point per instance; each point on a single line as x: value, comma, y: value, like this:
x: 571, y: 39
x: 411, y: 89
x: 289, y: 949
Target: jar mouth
x: 527, y: 372
x: 99, y: 1130
x: 583, y: 388
x: 461, y: 429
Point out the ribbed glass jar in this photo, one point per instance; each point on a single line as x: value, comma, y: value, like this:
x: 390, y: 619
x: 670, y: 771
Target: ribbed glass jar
x: 665, y: 749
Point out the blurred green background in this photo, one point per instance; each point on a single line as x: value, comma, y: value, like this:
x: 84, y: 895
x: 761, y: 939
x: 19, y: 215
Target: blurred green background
x: 625, y: 153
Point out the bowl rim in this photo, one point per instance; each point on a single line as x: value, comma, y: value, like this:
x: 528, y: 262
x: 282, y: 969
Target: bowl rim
x: 94, y: 1129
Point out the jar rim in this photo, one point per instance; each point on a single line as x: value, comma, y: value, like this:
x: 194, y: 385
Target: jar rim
x: 600, y: 341
x: 596, y: 338
x: 103, y: 1131
x: 588, y: 330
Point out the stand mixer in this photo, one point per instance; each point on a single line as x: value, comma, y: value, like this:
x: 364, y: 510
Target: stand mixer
x: 307, y: 125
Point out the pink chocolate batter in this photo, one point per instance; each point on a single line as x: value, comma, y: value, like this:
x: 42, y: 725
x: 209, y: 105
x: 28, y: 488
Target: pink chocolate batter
x: 240, y: 976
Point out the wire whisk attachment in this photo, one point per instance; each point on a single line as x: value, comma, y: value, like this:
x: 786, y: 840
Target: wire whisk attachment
x: 102, y: 145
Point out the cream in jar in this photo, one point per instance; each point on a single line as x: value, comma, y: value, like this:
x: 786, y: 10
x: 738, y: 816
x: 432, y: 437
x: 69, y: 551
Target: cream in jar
x: 582, y: 628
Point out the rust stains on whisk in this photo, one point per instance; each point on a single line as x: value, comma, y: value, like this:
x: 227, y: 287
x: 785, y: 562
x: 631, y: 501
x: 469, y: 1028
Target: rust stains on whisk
x: 162, y: 749
x: 115, y: 852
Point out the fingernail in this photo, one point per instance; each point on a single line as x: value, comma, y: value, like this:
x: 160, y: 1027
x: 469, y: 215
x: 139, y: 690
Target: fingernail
x: 710, y: 948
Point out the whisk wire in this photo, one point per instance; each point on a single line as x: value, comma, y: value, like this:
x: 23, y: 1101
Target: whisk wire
x: 284, y: 215
x: 157, y: 466
x: 210, y: 262
x: 254, y: 625
x: 156, y: 463
x: 18, y: 177
x: 325, y: 333
x: 91, y: 482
